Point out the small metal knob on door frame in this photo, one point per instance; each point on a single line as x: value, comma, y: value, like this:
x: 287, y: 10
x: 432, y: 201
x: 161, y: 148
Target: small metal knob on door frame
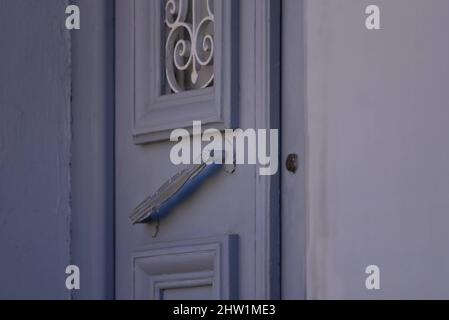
x: 292, y: 162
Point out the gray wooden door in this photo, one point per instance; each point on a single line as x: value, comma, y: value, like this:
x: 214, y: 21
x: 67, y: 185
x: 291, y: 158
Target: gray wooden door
x: 223, y: 241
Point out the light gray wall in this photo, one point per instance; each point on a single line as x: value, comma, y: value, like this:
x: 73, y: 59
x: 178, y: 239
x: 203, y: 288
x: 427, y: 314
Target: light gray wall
x: 378, y: 165
x: 34, y: 149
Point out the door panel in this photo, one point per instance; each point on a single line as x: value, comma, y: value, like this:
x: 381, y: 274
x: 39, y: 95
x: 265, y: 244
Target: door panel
x: 189, y: 269
x: 221, y: 241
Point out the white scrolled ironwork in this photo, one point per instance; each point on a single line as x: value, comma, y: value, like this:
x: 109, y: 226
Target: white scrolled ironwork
x: 189, y: 48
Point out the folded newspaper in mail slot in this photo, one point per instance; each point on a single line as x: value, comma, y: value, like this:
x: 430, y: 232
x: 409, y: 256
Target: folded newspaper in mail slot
x: 145, y: 211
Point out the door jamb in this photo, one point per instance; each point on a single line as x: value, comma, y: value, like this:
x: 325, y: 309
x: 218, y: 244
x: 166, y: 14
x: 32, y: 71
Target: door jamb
x: 92, y: 167
x: 268, y: 246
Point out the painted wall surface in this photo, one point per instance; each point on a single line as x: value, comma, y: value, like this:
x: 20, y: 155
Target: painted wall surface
x: 34, y: 149
x: 378, y: 160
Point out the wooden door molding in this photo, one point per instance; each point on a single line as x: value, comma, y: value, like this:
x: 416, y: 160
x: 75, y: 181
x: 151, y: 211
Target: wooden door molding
x: 210, y: 263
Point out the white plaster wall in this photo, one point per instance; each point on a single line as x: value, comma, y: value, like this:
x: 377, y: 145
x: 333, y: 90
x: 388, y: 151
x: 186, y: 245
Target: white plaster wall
x: 378, y: 164
x: 34, y: 149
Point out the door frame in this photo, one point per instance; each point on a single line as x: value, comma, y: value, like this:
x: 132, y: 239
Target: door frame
x: 294, y: 140
x: 268, y: 217
x: 92, y: 165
